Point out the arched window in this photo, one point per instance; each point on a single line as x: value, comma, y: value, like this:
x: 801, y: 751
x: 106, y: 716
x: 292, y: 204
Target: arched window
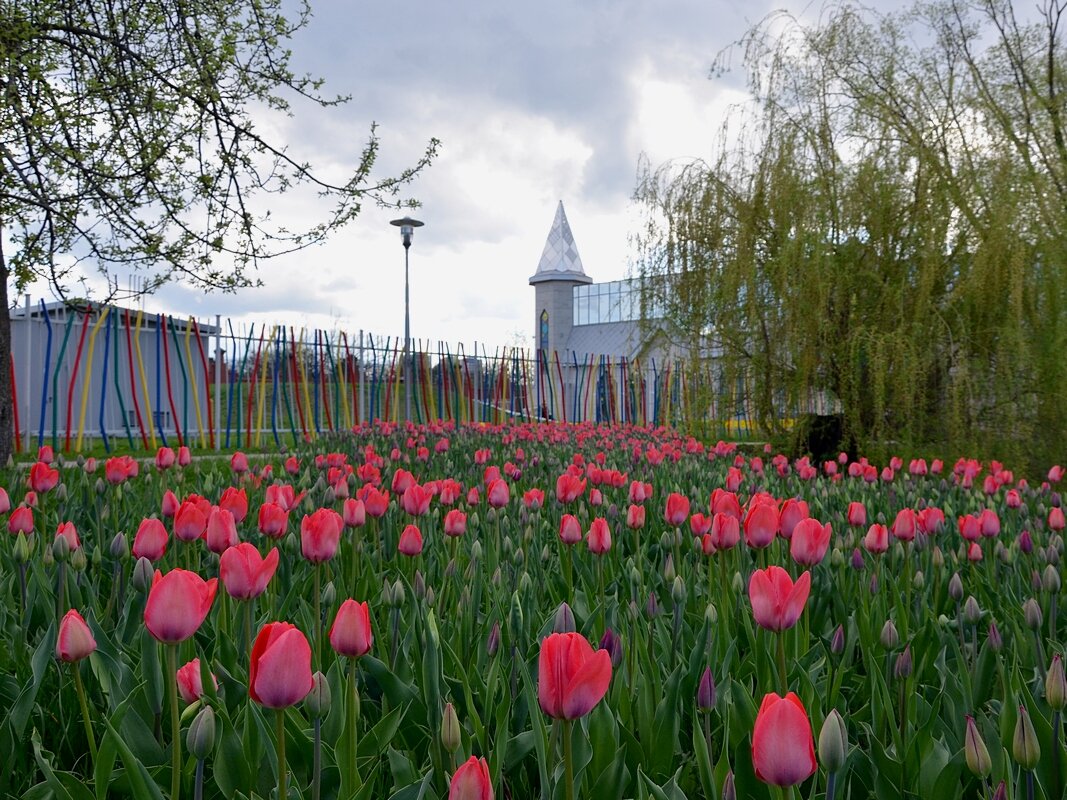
x: 542, y: 337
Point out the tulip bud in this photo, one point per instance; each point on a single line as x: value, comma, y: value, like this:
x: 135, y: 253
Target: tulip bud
x: 711, y: 614
x: 78, y: 561
x: 837, y: 558
x: 1056, y: 685
x: 635, y: 576
x: 319, y: 698
x: 833, y: 742
x: 476, y: 548
x: 975, y: 751
x: 492, y: 644
x: 100, y: 486
x: 420, y: 584
x: 889, y: 637
x: 996, y: 641
x: 47, y: 558
x: 60, y: 549
x: 119, y: 548
x: 22, y: 549
x: 857, y: 559
x: 564, y: 622
x: 955, y: 587
x: 329, y: 594
x: 400, y: 594
x: 1002, y: 792
x: 200, y: 740
x: 450, y: 730
x: 678, y: 593
x: 728, y: 790
x: 706, y: 691
x: 652, y: 606
x: 918, y: 580
x: 611, y: 642
x: 937, y: 558
x: 972, y: 612
x: 1024, y: 745
x: 837, y: 642
x: 515, y: 618
x: 1032, y: 614
x: 872, y: 587
x: 142, y: 575
x: 1050, y: 579
x: 902, y: 668
x: 738, y: 584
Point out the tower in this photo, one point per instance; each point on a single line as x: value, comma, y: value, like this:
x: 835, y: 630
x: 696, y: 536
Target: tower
x: 558, y: 272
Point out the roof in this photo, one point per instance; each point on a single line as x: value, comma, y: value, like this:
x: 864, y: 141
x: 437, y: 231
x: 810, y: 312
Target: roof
x: 560, y: 260
x: 59, y: 309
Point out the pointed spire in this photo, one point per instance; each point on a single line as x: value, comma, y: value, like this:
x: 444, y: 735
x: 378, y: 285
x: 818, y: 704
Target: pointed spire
x: 560, y: 259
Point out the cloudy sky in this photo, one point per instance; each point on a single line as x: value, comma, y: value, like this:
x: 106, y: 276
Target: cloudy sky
x: 533, y: 103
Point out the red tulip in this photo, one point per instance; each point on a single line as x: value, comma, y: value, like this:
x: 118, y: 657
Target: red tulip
x: 416, y: 500
x: 905, y: 525
x: 402, y: 481
x: 191, y: 682
x: 292, y: 465
x: 165, y: 458
x: 793, y: 511
x: 570, y: 530
x: 410, y: 543
x: 777, y: 602
x: 239, y: 462
x: 599, y: 539
x: 70, y: 533
x: 43, y: 478
x: 734, y: 477
x: 699, y: 524
x: 723, y: 502
x: 857, y: 515
x: 151, y: 539
x: 569, y: 487
x: 75, y: 641
x: 761, y: 525
x: 635, y: 517
x: 571, y: 678
x: 676, y: 510
x: 235, y: 501
x: 990, y: 522
x: 809, y: 542
x: 21, y: 520
x: 970, y: 528
x: 185, y: 458
x: 640, y: 492
x: 498, y: 494
x: 46, y: 454
x: 279, y: 674
x: 350, y: 634
x: 177, y: 604
x: 1055, y: 473
x: 974, y: 552
x: 877, y: 539
x: 455, y: 523
x: 244, y: 572
x: 783, y: 751
x: 221, y: 531
x: 120, y: 469
x: 471, y: 781
x: 320, y: 534
x: 1055, y: 518
x: 725, y: 531
x: 273, y: 520
x: 5, y: 501
x: 190, y: 522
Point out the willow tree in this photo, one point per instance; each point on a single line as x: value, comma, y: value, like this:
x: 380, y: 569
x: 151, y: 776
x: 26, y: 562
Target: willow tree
x: 132, y: 136
x: 882, y: 229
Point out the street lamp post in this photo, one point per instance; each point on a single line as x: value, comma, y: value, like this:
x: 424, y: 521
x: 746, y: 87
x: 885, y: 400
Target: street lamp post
x: 407, y: 227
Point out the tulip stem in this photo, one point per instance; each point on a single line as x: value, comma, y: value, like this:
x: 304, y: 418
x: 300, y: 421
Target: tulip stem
x: 353, y: 722
x: 175, y: 725
x: 248, y: 627
x: 85, y: 710
x: 279, y: 726
x: 316, y: 770
x: 1029, y: 784
x: 61, y: 590
x: 198, y: 784
x: 1056, y: 755
x: 782, y: 675
x: 831, y: 784
x: 318, y: 615
x: 568, y: 760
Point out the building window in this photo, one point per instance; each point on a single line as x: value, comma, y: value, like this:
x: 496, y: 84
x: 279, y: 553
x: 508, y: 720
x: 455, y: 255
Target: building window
x: 543, y: 337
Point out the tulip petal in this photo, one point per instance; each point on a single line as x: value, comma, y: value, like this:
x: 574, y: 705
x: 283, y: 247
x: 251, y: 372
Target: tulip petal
x: 283, y: 671
x: 588, y: 686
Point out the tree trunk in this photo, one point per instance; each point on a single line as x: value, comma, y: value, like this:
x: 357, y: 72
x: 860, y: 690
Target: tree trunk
x: 7, y: 407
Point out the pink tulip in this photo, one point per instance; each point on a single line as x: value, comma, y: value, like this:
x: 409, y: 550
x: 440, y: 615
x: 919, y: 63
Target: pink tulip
x: 191, y: 682
x: 279, y: 674
x: 350, y: 634
x: 635, y: 517
x: 905, y: 525
x: 777, y: 602
x: 570, y: 530
x: 599, y: 538
x: 151, y: 540
x: 472, y: 781
x: 70, y: 533
x: 75, y: 641
x: 877, y: 539
x: 571, y: 678
x: 725, y: 531
x: 809, y: 542
x: 239, y: 463
x: 410, y: 543
x: 235, y: 501
x: 761, y: 525
x: 221, y: 531
x: 320, y: 534
x: 455, y: 523
x: 1055, y: 518
x: 497, y: 494
x: 783, y: 751
x: 857, y: 514
x: 793, y: 511
x: 190, y: 523
x: 273, y: 520
x: 177, y: 604
x: 244, y: 572
x: 165, y: 458
x: 20, y: 521
x: 676, y: 510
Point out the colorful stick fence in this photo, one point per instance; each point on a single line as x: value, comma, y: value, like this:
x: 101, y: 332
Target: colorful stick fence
x: 85, y: 374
